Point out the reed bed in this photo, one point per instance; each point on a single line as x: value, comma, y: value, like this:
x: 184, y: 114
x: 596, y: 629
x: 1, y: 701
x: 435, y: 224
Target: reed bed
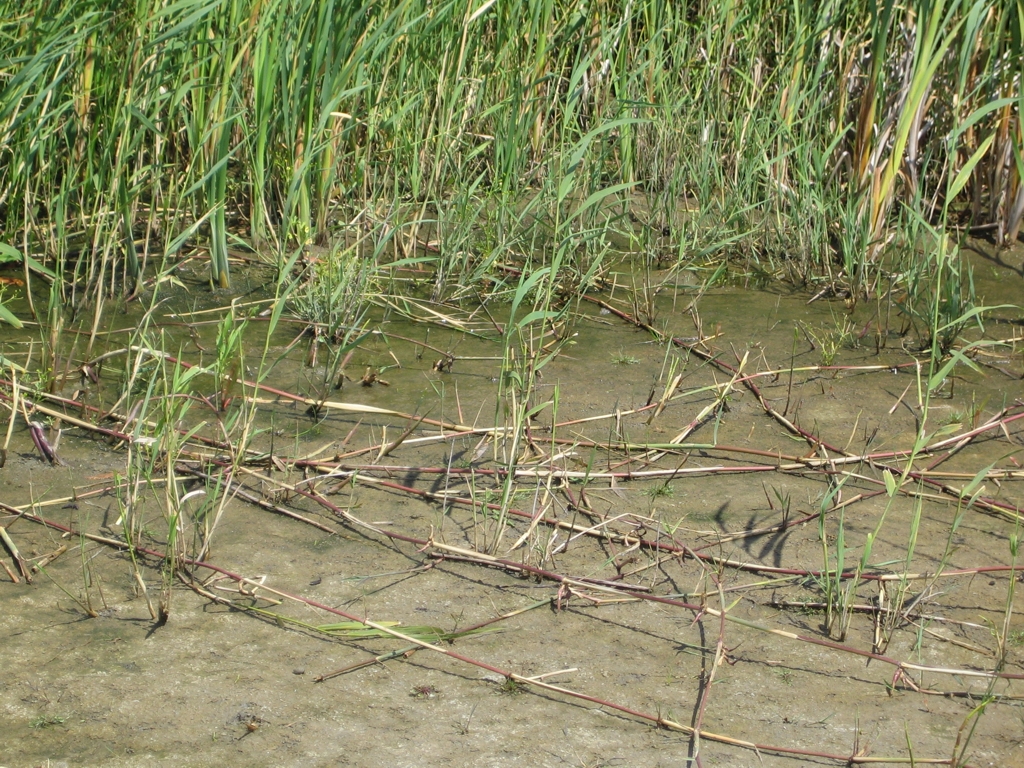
x: 824, y: 141
x: 462, y: 190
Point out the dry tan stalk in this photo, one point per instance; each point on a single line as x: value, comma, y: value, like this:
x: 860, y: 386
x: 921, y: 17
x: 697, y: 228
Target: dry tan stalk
x: 435, y: 317
x: 900, y: 399
x: 709, y: 679
x: 387, y: 449
x: 581, y: 531
x: 725, y: 390
x: 239, y: 589
x: 772, y: 528
x: 953, y: 641
x: 993, y: 474
x: 669, y: 390
x: 10, y: 573
x: 744, y: 587
x: 623, y: 592
x: 640, y: 473
x: 311, y: 456
x: 18, y: 559
x: 10, y: 424
x: 544, y: 676
x: 47, y: 559
x: 220, y: 310
x: 241, y: 493
x: 145, y: 592
x: 542, y: 508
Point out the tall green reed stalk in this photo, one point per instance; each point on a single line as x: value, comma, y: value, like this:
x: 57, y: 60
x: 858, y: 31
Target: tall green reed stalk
x: 795, y: 138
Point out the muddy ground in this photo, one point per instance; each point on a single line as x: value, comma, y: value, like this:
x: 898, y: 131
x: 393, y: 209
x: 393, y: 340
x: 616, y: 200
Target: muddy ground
x: 216, y: 684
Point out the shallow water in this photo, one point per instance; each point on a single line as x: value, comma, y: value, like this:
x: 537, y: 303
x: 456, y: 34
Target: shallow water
x: 217, y: 684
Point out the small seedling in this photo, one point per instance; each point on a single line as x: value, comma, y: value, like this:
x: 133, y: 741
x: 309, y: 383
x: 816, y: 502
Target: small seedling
x: 47, y: 721
x: 462, y: 726
x: 510, y: 687
x: 786, y: 676
x: 658, y: 491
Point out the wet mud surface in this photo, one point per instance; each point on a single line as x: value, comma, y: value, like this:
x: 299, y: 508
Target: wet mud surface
x: 219, y: 683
